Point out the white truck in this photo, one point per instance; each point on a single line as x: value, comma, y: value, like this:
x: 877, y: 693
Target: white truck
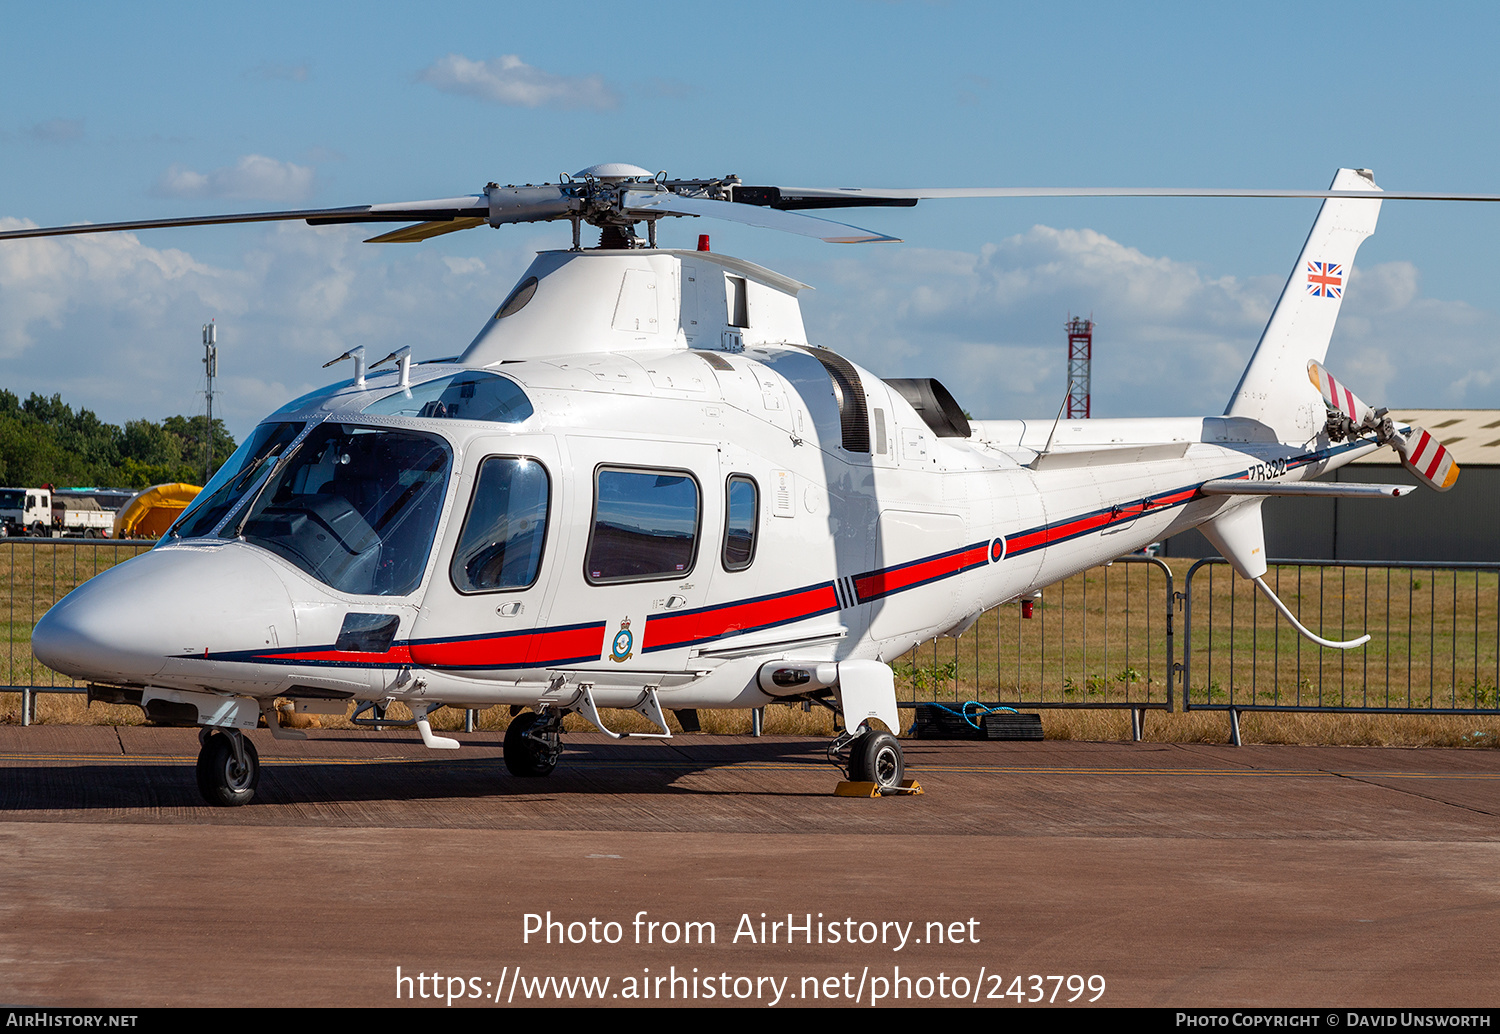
x: 42, y: 512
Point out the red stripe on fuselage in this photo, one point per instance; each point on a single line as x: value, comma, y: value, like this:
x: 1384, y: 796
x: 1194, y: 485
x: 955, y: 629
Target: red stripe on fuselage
x: 1039, y: 537
x: 894, y: 579
x: 396, y: 656
x: 668, y: 630
x: 521, y: 650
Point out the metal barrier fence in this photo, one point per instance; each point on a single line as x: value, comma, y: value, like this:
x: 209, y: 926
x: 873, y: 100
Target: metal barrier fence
x: 1101, y: 639
x: 1434, y: 631
x: 34, y: 574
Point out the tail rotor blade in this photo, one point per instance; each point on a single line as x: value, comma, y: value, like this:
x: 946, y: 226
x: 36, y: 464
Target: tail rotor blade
x: 1427, y: 458
x: 1420, y: 452
x: 1339, y: 397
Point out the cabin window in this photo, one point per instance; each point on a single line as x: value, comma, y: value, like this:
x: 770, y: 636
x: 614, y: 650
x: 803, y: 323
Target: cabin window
x: 501, y: 544
x: 518, y: 298
x: 741, y: 510
x: 645, y: 525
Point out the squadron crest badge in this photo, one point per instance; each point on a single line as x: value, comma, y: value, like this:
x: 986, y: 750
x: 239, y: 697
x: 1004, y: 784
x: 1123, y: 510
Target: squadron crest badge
x: 620, y: 651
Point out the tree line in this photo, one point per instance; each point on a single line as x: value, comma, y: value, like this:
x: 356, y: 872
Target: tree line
x: 45, y: 441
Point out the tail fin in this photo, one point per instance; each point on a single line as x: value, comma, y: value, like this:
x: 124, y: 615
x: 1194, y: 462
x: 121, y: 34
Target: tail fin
x: 1274, y: 388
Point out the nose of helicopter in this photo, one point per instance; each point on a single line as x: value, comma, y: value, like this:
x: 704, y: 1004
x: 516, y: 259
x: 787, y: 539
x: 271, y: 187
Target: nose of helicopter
x: 125, y: 623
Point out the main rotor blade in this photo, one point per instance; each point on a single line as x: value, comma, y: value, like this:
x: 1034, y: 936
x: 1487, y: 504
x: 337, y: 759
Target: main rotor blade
x: 641, y: 201
x: 826, y: 197
x: 423, y: 231
x: 440, y: 209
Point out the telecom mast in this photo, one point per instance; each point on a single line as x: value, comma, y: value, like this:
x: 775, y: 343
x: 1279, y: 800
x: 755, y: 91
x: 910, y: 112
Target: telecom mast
x: 1080, y: 360
x: 211, y: 367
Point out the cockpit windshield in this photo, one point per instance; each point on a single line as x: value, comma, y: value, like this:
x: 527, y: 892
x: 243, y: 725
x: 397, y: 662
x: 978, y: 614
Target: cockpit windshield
x: 239, y: 474
x: 355, y: 507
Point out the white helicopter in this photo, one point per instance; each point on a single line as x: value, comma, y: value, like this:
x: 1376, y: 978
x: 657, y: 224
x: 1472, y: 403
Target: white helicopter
x: 642, y: 487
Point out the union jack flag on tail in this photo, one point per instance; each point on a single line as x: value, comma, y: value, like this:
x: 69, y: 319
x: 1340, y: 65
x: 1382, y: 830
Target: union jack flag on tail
x: 1325, y: 279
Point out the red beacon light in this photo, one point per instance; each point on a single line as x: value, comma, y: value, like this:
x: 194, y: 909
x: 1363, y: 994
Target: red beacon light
x: 703, y: 242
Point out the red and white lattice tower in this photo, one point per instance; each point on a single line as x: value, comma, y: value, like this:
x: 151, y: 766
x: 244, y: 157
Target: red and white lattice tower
x: 1080, y: 359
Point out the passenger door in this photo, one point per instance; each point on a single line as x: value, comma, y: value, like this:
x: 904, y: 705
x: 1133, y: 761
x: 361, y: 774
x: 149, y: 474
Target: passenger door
x: 649, y: 518
x: 485, y: 612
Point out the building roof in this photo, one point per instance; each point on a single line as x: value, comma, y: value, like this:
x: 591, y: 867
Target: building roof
x: 1472, y: 435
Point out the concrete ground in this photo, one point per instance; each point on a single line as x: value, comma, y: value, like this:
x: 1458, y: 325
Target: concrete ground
x: 372, y: 872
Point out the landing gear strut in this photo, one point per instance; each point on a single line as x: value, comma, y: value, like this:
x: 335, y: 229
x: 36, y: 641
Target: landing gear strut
x: 228, y: 768
x: 533, y: 743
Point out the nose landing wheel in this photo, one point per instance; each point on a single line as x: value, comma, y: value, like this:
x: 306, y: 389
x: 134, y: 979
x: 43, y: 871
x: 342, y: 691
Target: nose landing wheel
x: 533, y: 744
x: 228, y: 768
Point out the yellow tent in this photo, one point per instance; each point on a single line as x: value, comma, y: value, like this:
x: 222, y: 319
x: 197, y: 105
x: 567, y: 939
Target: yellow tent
x: 150, y: 514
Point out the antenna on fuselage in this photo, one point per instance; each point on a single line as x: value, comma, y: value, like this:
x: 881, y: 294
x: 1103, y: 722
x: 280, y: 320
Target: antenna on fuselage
x: 357, y: 353
x: 1055, y: 421
x: 402, y: 356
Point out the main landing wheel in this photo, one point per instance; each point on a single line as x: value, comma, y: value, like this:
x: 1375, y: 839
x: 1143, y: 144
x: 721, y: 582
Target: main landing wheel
x: 876, y: 758
x: 223, y: 780
x: 530, y: 755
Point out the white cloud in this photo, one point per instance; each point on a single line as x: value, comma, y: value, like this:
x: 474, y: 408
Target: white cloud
x: 57, y: 131
x: 270, y: 71
x: 253, y: 178
x: 1399, y: 348
x: 509, y: 80
x: 113, y: 324
x: 43, y: 280
x: 1168, y: 340
x: 463, y: 266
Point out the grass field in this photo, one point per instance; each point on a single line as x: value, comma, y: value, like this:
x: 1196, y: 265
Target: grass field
x: 1094, y: 645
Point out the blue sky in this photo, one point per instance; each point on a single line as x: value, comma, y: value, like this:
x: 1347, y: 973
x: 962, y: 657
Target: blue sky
x: 157, y: 110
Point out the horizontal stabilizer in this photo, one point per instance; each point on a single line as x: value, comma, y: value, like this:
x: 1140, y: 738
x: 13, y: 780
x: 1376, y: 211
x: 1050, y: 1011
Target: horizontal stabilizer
x: 1305, y: 488
x: 1101, y: 455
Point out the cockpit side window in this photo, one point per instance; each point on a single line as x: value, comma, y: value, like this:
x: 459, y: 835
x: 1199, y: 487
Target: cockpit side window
x: 741, y: 512
x: 645, y: 525
x: 500, y: 547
